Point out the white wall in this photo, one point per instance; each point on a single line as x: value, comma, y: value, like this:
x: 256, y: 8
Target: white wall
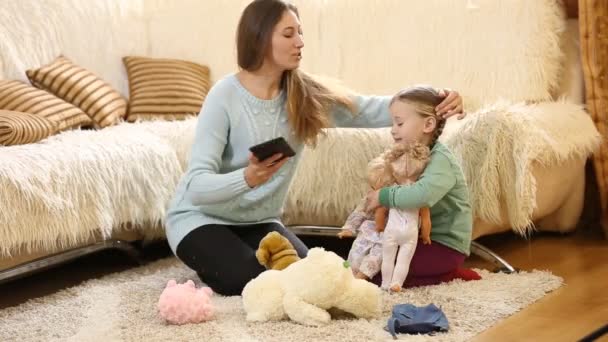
x: 493, y: 49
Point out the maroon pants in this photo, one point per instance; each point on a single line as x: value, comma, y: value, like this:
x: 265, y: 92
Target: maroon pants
x: 431, y: 264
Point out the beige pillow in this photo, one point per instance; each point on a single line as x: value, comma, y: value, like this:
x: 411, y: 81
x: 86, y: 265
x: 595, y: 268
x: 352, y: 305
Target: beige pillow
x: 21, y: 97
x: 18, y: 128
x: 165, y: 89
x: 82, y: 88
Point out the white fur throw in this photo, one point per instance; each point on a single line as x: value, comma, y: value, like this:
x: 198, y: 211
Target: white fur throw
x: 331, y: 178
x: 178, y: 134
x: 80, y: 184
x: 496, y: 147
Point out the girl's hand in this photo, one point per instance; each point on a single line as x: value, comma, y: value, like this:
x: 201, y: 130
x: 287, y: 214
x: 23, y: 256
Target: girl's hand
x: 451, y: 105
x: 372, y: 202
x: 258, y: 172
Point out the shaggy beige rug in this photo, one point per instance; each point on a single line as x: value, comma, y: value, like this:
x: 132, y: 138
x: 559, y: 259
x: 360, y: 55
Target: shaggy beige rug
x: 122, y: 307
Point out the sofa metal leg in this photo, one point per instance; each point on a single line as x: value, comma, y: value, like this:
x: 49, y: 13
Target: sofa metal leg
x: 488, y: 255
x: 307, y: 230
x: 46, y: 262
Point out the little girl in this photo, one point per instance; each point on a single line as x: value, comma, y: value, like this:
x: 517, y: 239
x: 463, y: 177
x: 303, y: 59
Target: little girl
x: 441, y: 187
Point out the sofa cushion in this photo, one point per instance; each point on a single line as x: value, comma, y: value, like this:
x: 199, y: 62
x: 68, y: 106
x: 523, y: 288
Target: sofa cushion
x: 82, y: 88
x: 165, y: 88
x: 18, y: 128
x: 21, y: 97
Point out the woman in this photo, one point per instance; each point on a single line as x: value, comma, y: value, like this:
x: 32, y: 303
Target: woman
x: 228, y: 200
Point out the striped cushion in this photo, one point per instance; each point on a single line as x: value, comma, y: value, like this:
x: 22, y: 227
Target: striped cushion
x: 18, y: 128
x: 165, y: 88
x: 81, y: 88
x: 21, y: 97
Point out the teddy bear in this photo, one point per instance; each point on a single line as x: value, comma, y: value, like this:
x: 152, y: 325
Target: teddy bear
x: 184, y: 303
x: 304, y: 291
x: 276, y: 252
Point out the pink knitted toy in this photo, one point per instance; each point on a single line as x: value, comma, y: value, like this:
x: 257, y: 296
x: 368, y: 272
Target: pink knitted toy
x: 184, y: 303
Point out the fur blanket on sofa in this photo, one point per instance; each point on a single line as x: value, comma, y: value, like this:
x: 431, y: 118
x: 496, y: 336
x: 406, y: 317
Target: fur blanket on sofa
x: 80, y: 184
x: 496, y: 147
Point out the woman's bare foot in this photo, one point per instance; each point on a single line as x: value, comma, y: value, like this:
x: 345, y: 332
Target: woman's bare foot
x: 360, y: 275
x: 396, y: 288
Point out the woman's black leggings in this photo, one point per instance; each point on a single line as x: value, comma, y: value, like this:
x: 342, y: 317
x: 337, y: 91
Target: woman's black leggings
x: 224, y: 256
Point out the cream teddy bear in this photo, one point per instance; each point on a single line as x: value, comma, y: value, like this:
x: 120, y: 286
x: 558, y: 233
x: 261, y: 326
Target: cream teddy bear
x: 306, y: 289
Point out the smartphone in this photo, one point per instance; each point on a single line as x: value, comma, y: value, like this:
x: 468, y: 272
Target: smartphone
x: 269, y: 148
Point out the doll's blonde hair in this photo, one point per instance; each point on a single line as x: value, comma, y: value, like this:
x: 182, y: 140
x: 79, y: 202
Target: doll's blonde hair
x: 377, y: 175
x: 415, y: 152
x: 424, y: 99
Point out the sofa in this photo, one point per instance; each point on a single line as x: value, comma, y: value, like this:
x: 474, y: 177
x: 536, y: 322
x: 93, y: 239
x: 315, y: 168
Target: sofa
x: 523, y: 145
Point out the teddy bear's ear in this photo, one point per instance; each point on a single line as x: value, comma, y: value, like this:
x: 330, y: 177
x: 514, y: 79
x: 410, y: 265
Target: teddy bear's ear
x: 190, y: 283
x: 171, y: 283
x: 316, y: 251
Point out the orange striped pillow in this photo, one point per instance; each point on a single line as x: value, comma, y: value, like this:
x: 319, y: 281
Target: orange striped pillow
x: 21, y: 97
x: 168, y: 89
x: 18, y: 128
x: 82, y: 88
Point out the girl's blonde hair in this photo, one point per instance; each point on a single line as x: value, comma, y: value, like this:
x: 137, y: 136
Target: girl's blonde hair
x: 309, y: 101
x: 425, y: 99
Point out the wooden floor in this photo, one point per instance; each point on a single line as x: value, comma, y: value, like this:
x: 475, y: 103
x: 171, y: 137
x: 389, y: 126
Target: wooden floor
x: 568, y: 314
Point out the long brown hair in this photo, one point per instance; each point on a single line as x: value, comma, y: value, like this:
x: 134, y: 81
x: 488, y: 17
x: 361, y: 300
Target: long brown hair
x: 425, y: 99
x: 309, y: 100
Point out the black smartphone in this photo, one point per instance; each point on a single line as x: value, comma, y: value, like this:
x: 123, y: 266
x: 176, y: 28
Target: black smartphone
x: 271, y: 147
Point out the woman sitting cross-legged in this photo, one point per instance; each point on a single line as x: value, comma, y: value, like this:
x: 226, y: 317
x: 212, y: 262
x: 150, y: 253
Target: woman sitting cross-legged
x: 227, y: 200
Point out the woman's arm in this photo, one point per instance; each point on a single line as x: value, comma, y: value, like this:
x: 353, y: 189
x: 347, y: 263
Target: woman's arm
x: 371, y: 112
x: 206, y: 185
x: 436, y: 180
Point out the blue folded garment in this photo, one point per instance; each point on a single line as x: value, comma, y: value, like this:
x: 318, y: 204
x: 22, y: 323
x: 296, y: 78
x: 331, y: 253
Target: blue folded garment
x: 410, y: 319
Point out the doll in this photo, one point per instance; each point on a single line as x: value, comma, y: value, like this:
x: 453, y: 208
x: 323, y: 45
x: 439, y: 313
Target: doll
x: 365, y: 256
x: 405, y: 163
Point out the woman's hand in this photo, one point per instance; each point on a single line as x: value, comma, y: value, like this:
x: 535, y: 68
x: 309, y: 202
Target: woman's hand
x: 451, y: 105
x: 372, y: 202
x: 259, y: 172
